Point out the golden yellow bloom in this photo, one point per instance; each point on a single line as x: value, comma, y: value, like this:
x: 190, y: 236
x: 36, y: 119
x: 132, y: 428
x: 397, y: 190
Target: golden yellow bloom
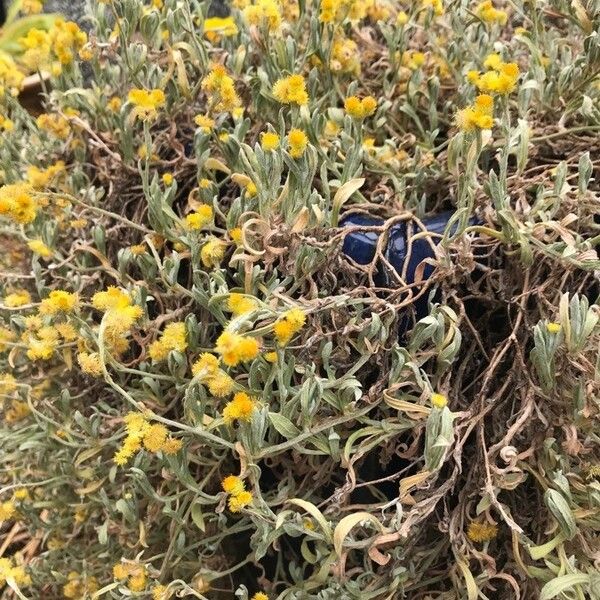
x: 239, y: 501
x: 199, y: 219
x: 220, y: 88
x: 79, y: 586
x: 17, y: 298
x: 297, y: 142
x: 155, y: 437
x: 233, y: 485
x: 413, y: 60
x: 264, y: 13
x: 160, y: 592
x: 31, y: 7
x: 271, y: 357
x: 220, y: 384
x: 436, y: 5
x: 360, y: 109
x: 235, y: 348
x: 172, y: 338
x: 8, y: 383
x: 241, y: 408
x: 17, y: 203
x: 291, y: 90
x: 553, y: 327
x: 212, y: 252
x: 486, y: 12
x: 205, y: 123
x: 288, y: 325
x: 120, y: 313
x: 135, y: 574
x: 55, y: 124
x: 7, y: 510
x: 37, y: 47
x: 167, y: 179
x: 269, y: 140
x: 11, y: 77
x: 207, y: 364
x: 59, y: 301
x: 10, y: 570
x: 67, y: 331
x: 260, y: 596
x: 402, y: 18
x: 240, y: 304
x: 146, y: 102
x: 114, y: 104
x: 41, y: 178
x: 482, y: 531
x: 90, y: 363
x: 214, y: 27
x: 67, y: 40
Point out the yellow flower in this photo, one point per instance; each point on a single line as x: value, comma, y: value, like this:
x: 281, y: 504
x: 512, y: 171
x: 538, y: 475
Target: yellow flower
x: 172, y: 338
x: 67, y: 331
x: 260, y: 596
x: 241, y: 408
x: 120, y: 313
x: 11, y: 77
x: 59, y: 301
x: 67, y: 39
x: 481, y: 531
x: 235, y: 348
x: 160, y: 592
x: 41, y: 178
x: 79, y: 587
x: 204, y: 122
x: 240, y: 304
x: 239, y: 501
x: 114, y: 104
x: 220, y: 88
x: 37, y: 47
x: 288, y: 325
x: 17, y: 203
x: 218, y: 26
x: 134, y: 573
x: 146, y: 103
x: 291, y: 90
x: 436, y: 5
x: 155, y: 437
x: 271, y: 357
x: 402, y: 18
x: 413, y: 60
x: 43, y: 345
x: 8, y: 383
x: 212, y: 252
x: 297, y: 141
x: 7, y: 510
x: 220, y: 384
x: 10, y: 570
x: 232, y: 485
x: 57, y: 125
x: 269, y: 140
x: 359, y: 109
x: 199, y: 219
x: 264, y: 13
x: 439, y: 400
x: 167, y: 179
x: 17, y: 298
x: 206, y: 365
x: 486, y: 12
x: 553, y: 327
x: 90, y: 363
x: 39, y: 248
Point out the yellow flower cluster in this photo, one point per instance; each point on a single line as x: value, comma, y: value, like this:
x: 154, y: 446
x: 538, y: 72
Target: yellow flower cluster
x: 335, y: 11
x: 438, y: 400
x: 43, y: 344
x: 269, y: 140
x: 5, y: 123
x: 501, y: 78
x: 11, y: 78
x: 119, y: 312
x: 240, y: 304
x: 220, y: 89
x: 208, y: 372
x: 90, y: 363
x: 17, y: 298
x: 436, y: 5
x: 241, y: 408
x: 55, y: 124
x: 235, y: 348
x: 413, y: 59
x: 297, y: 141
x: 59, y: 301
x: 212, y: 252
x: 17, y: 203
x: 37, y: 47
x: 215, y: 27
x: 288, y: 325
x: 41, y: 178
x: 291, y: 90
x: 172, y: 338
x: 204, y: 122
x: 7, y: 510
x: 38, y: 247
x: 239, y: 497
x: 478, y: 116
x: 264, y: 13
x: 135, y: 574
x: 9, y: 570
x: 486, y: 12
x: 79, y: 586
x: 146, y: 103
x: 140, y: 432
x: 200, y: 218
x: 67, y: 39
x: 360, y: 109
x: 345, y: 57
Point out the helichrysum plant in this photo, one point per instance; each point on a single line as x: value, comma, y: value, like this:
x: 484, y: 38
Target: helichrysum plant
x: 202, y: 396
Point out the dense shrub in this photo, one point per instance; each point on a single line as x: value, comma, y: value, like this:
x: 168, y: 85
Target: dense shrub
x: 203, y: 395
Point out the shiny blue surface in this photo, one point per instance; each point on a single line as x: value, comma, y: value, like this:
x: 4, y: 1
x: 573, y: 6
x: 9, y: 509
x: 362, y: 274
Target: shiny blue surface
x: 360, y: 246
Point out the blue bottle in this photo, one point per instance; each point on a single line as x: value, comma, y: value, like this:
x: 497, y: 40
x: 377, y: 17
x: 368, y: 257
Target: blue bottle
x: 361, y: 246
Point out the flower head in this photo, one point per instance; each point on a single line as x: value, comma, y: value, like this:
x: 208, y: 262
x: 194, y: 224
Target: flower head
x: 146, y: 102
x: 291, y: 90
x: 297, y: 141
